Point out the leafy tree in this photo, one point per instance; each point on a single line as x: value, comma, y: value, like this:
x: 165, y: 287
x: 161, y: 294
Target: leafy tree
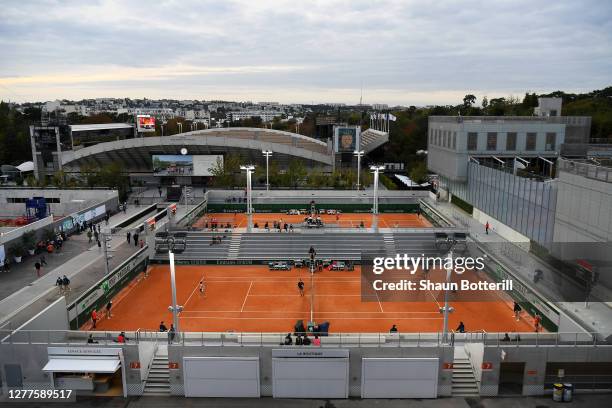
x: 469, y: 100
x: 418, y: 174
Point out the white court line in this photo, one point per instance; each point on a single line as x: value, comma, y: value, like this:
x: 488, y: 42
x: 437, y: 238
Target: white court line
x: 246, y: 296
x: 379, y: 304
x: 301, y: 317
x: 319, y: 295
x: 271, y: 311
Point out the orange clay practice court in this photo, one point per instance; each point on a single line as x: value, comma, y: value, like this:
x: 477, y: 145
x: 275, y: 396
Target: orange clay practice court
x: 344, y: 220
x: 251, y: 298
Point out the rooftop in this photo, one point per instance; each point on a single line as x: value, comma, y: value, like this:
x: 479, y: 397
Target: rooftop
x: 100, y: 126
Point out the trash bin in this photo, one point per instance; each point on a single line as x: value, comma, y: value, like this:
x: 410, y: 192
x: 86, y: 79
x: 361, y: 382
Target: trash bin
x: 568, y: 391
x: 558, y: 392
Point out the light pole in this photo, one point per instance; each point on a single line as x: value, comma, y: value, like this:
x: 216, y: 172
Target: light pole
x: 376, y: 169
x: 358, y: 154
x: 249, y: 169
x: 446, y: 309
x: 267, y: 153
x: 174, y: 308
x: 180, y: 126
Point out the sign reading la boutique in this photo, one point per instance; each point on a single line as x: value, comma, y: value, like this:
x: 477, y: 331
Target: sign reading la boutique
x: 310, y: 353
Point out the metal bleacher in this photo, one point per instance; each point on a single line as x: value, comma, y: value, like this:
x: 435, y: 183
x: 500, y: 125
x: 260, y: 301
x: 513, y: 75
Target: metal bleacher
x: 198, y: 247
x: 416, y: 244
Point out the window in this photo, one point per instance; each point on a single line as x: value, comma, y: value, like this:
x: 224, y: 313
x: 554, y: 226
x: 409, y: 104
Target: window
x: 511, y: 141
x: 446, y: 142
x: 431, y: 136
x: 492, y: 141
x: 472, y: 141
x: 454, y: 140
x: 531, y: 141
x: 551, y: 139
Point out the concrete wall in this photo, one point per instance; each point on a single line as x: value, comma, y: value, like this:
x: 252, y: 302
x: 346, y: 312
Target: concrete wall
x: 71, y: 200
x: 502, y: 229
x: 445, y: 354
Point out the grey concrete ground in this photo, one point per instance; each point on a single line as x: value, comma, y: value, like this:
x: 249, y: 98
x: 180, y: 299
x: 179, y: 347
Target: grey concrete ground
x: 580, y: 401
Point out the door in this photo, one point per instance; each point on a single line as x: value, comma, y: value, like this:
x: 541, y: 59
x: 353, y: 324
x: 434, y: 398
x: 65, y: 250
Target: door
x: 511, y: 377
x: 221, y: 376
x: 14, y: 378
x: 399, y: 377
x: 310, y: 377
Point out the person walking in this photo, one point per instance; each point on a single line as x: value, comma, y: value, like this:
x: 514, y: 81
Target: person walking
x: 537, y: 320
x: 128, y: 237
x: 300, y: 286
x: 99, y: 245
x: 109, y: 306
x: 89, y: 235
x: 37, y: 267
x: 96, y: 235
x: 517, y: 311
x: 136, y: 239
x: 43, y: 260
x: 66, y: 283
x: 487, y: 227
x: 60, y: 284
x: 94, y: 317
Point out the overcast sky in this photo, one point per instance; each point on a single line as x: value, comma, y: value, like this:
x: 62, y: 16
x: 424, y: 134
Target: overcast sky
x: 400, y: 52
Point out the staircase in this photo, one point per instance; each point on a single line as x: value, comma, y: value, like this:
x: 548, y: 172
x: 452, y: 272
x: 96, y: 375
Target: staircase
x: 234, y: 246
x: 389, y: 244
x: 464, y: 382
x: 158, y: 380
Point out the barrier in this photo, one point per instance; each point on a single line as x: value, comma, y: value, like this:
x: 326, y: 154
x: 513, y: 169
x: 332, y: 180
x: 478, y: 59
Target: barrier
x: 97, y: 296
x: 283, y: 208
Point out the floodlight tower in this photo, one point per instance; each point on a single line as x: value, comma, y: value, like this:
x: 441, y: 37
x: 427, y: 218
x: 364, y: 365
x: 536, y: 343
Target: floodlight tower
x: 267, y: 153
x: 249, y: 168
x: 376, y: 169
x: 358, y: 153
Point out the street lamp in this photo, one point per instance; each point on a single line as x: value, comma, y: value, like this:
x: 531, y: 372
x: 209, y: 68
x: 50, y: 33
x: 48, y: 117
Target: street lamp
x: 267, y: 153
x: 376, y: 169
x: 249, y: 168
x: 358, y: 154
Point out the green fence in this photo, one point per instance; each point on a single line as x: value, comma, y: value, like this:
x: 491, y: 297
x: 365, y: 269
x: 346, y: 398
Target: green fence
x: 97, y: 296
x: 283, y: 208
x: 530, y: 301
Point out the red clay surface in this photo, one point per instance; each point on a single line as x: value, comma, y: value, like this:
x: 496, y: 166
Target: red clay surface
x: 348, y: 220
x: 253, y: 299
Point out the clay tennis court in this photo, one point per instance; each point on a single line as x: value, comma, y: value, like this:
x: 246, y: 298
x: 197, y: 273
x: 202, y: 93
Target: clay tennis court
x: 252, y: 298
x: 344, y: 220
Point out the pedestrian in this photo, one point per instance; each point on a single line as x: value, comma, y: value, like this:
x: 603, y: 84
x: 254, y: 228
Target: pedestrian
x: 121, y: 338
x: 517, y: 311
x: 393, y: 329
x: 125, y: 207
x: 128, y: 236
x: 487, y: 226
x: 109, y: 305
x: 537, y: 320
x: 201, y: 288
x: 135, y: 239
x: 106, y: 218
x: 460, y: 328
x: 316, y: 341
x: 99, y: 245
x: 96, y: 234
x: 59, y: 282
x: 141, y: 243
x: 162, y: 327
x: 89, y: 235
x: 171, y: 334
x: 66, y: 283
x: 418, y: 211
x: 300, y: 286
x: 94, y: 317
x: 99, y: 228
x: 37, y: 266
x: 159, y: 190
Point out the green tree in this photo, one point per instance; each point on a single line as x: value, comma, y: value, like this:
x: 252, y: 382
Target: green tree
x: 468, y: 101
x: 418, y: 174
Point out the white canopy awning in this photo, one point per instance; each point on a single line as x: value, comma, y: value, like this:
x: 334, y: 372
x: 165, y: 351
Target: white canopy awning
x: 82, y: 365
x: 26, y: 166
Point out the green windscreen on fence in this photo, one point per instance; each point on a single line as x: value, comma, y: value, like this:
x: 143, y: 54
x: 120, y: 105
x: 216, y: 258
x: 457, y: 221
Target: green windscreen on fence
x: 97, y: 296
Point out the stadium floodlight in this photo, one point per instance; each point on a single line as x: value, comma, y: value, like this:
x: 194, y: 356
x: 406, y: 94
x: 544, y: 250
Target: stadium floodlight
x: 376, y: 169
x: 174, y: 308
x: 446, y: 309
x: 249, y: 168
x: 267, y: 153
x: 358, y: 153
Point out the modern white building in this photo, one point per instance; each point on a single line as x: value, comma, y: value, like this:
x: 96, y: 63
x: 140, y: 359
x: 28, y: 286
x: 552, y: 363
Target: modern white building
x: 265, y: 115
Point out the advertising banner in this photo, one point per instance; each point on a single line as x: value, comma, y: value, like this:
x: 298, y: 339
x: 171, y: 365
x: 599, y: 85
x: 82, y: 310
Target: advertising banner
x: 346, y: 139
x: 145, y: 123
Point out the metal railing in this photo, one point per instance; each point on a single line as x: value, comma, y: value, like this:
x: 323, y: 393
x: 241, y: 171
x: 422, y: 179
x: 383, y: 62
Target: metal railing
x: 245, y: 339
x: 591, y: 171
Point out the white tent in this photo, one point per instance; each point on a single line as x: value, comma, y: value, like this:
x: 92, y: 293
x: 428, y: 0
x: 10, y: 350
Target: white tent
x: 26, y: 166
